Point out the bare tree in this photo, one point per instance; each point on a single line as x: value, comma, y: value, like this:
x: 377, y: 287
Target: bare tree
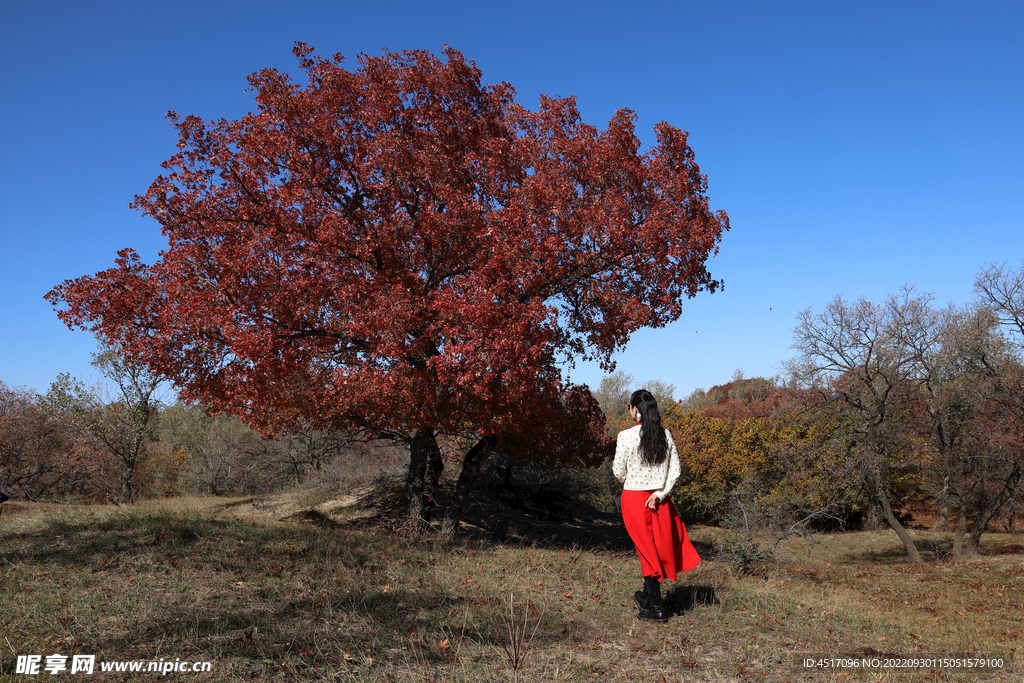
x: 907, y: 369
x: 962, y: 358
x: 613, y: 396
x: 1002, y: 291
x: 1000, y: 362
x: 857, y: 354
x: 119, y: 420
x: 220, y: 450
x: 306, y: 449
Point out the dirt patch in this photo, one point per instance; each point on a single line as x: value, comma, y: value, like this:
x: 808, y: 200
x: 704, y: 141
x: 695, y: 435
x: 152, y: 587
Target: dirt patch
x: 1005, y: 550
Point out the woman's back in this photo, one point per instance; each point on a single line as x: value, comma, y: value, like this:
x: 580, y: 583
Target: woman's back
x: 629, y: 466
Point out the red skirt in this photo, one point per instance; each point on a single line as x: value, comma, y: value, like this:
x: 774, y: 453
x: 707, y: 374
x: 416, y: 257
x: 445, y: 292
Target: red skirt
x: 659, y: 536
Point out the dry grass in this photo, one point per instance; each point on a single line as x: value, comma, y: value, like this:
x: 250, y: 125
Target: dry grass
x: 275, y: 589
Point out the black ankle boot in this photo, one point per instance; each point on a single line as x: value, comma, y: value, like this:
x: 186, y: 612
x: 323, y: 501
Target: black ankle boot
x: 649, y: 600
x: 643, y: 601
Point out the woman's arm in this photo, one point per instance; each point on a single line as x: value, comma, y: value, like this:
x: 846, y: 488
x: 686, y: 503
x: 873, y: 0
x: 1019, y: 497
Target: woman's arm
x: 673, y: 468
x: 619, y: 463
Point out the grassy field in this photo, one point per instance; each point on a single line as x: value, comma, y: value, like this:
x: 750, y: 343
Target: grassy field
x: 288, y: 588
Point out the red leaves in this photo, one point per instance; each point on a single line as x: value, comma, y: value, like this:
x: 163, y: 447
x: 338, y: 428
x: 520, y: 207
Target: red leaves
x: 402, y: 247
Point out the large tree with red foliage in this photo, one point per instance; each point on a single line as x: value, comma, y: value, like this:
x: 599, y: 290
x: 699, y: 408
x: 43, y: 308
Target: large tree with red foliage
x: 402, y: 249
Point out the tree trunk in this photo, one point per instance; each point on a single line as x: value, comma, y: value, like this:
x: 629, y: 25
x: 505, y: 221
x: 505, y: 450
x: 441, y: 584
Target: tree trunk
x: 419, y: 452
x: 974, y: 539
x: 506, y: 473
x: 990, y: 510
x: 126, y: 487
x: 908, y: 542
x: 1010, y: 525
x: 471, y: 466
x: 128, y: 461
x: 434, y: 468
x: 961, y: 529
x: 943, y: 519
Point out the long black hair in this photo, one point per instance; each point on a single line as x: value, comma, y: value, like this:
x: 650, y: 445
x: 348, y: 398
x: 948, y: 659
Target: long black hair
x: 653, y: 444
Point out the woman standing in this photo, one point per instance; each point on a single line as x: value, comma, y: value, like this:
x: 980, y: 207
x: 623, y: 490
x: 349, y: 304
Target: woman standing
x: 647, y: 463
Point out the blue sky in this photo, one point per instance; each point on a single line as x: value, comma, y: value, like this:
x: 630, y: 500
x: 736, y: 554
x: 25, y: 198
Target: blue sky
x: 857, y: 146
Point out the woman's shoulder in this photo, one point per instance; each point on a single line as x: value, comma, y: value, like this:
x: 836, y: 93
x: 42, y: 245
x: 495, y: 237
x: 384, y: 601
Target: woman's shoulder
x: 630, y: 432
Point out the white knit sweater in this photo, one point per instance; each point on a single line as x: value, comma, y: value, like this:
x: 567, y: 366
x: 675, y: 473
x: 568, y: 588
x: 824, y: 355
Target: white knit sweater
x: 635, y: 475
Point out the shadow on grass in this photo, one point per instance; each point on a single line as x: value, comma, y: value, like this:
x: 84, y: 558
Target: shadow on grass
x: 549, y: 513
x: 103, y: 543
x: 895, y: 553
x: 314, y: 518
x: 682, y: 599
x: 368, y: 625
x: 706, y: 549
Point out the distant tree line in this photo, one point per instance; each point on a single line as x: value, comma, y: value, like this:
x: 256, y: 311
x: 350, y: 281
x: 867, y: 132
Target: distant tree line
x: 119, y: 442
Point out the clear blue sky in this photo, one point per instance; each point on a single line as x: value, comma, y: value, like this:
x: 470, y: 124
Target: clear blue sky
x: 857, y: 146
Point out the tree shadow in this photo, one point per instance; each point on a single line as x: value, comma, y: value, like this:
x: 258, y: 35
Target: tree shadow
x: 84, y: 541
x: 314, y: 518
x: 550, y: 511
x: 897, y: 554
